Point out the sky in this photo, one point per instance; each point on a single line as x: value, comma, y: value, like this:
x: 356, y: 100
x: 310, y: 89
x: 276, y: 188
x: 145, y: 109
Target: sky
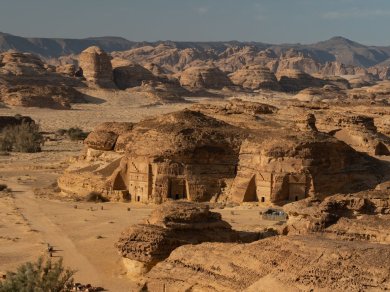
x: 269, y: 21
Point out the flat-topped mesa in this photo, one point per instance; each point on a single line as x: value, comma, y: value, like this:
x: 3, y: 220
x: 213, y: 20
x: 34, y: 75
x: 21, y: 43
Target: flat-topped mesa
x: 206, y: 77
x: 96, y: 66
x: 255, y: 77
x: 171, y: 225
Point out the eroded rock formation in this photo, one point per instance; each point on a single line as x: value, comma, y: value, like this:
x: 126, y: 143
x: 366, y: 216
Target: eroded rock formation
x: 171, y: 225
x: 97, y: 68
x: 254, y: 78
x: 284, y: 263
x: 239, y: 156
x: 197, y: 78
x: 26, y: 81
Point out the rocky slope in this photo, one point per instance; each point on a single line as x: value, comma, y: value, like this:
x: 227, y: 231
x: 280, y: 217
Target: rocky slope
x: 25, y: 80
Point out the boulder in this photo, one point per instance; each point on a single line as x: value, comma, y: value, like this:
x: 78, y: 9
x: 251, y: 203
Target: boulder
x: 101, y: 140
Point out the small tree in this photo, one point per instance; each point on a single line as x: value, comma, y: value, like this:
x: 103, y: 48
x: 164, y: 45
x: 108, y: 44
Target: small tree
x: 42, y: 276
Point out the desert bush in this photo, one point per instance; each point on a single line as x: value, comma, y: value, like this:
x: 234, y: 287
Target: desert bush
x: 21, y: 138
x: 75, y: 134
x: 42, y: 276
x: 3, y: 187
x: 96, y: 197
x: 61, y: 132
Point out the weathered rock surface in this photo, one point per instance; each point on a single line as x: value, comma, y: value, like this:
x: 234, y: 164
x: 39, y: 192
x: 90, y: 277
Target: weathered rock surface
x: 236, y: 106
x: 244, y: 155
x: 254, y: 78
x: 278, y: 168
x: 204, y: 78
x: 131, y: 75
x: 285, y: 263
x: 171, y: 225
x: 26, y: 81
x: 97, y: 68
x: 359, y: 132
x: 161, y: 92
x: 294, y: 80
x: 360, y: 216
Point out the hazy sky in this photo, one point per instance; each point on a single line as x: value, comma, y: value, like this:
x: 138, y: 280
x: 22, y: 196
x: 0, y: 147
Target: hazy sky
x: 271, y: 21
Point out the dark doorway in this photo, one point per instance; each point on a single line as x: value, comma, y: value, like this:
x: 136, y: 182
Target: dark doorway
x: 296, y: 198
x: 262, y: 199
x: 177, y: 189
x: 250, y: 193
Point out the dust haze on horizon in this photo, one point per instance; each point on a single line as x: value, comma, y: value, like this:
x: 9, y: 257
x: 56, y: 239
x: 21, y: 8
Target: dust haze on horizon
x: 282, y: 21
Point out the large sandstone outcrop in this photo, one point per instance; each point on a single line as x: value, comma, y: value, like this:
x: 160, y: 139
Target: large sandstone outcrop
x: 171, y: 225
x: 204, y: 78
x: 359, y: 132
x: 131, y: 75
x: 26, y: 81
x: 185, y: 154
x: 101, y: 156
x: 292, y: 80
x: 284, y: 263
x: 166, y: 91
x: 359, y: 216
x: 280, y: 168
x: 254, y: 78
x: 328, y: 93
x: 247, y: 154
x: 97, y: 68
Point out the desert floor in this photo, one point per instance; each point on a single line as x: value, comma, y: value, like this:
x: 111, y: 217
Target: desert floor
x: 83, y: 236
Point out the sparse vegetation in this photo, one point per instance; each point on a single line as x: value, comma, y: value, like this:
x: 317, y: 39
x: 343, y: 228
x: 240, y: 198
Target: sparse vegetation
x: 21, y: 138
x: 73, y: 134
x: 42, y: 276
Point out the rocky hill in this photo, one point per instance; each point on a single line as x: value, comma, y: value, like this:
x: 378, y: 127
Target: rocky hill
x: 335, y: 49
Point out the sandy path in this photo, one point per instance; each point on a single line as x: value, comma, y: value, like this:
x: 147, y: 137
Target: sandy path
x: 53, y: 234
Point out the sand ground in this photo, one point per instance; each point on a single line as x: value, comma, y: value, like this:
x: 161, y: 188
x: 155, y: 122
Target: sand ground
x: 83, y: 236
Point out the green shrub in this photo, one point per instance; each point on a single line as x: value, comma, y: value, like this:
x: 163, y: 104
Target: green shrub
x: 41, y: 276
x: 21, y: 138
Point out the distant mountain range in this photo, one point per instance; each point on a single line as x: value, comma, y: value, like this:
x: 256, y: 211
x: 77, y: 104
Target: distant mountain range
x: 335, y: 49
